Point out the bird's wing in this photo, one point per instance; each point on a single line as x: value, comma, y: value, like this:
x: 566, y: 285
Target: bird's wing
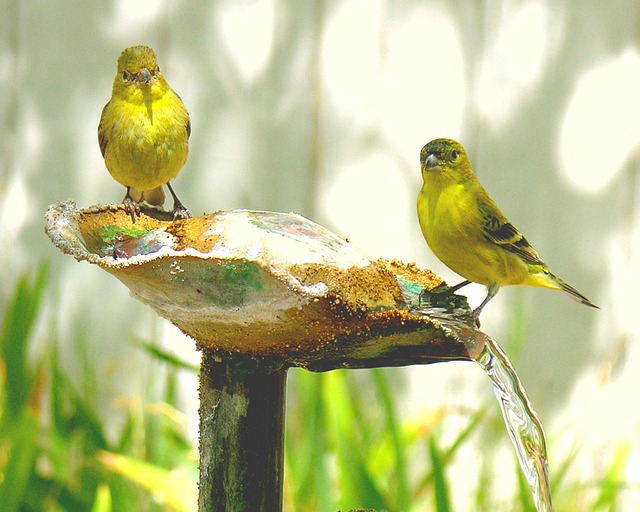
x: 102, y: 137
x: 188, y: 126
x: 498, y: 230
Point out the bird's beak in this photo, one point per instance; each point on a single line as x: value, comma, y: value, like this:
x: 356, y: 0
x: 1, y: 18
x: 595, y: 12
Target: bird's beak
x: 144, y: 75
x: 432, y: 163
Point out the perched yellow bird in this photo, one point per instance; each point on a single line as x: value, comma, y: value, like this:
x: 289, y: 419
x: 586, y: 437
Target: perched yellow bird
x: 144, y: 131
x: 467, y: 232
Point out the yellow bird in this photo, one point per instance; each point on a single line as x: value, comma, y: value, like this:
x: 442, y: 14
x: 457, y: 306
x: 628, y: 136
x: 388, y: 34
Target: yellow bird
x: 465, y: 229
x: 144, y: 132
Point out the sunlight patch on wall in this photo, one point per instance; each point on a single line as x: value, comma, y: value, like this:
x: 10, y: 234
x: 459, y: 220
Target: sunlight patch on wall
x: 133, y: 16
x: 424, y: 95
x: 368, y: 201
x: 27, y: 140
x: 231, y: 183
x: 603, y: 412
x: 406, y: 77
x: 91, y: 177
x: 13, y: 209
x: 350, y: 61
x: 247, y: 30
x: 514, y: 61
x: 600, y: 127
x: 624, y: 254
x: 31, y: 136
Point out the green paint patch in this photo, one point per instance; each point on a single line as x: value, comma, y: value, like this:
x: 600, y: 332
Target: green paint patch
x: 409, y: 286
x: 246, y: 274
x: 113, y: 233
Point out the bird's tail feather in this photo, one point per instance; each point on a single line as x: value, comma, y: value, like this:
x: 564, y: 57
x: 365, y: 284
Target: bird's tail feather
x: 572, y: 292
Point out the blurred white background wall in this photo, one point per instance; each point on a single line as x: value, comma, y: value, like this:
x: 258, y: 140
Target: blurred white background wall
x: 321, y: 108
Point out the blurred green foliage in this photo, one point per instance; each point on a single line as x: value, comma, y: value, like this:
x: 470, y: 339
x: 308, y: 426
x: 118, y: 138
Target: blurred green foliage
x: 54, y: 452
x: 341, y: 453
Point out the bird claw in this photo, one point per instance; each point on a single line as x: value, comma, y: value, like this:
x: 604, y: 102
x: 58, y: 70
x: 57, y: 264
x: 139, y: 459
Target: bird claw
x: 441, y: 296
x: 426, y: 294
x: 131, y: 207
x: 180, y: 212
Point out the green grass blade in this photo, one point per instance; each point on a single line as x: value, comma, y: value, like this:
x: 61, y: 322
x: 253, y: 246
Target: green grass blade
x: 358, y: 486
x: 613, y: 481
x: 170, y: 488
x: 393, y: 431
x: 71, y: 414
x: 524, y: 491
x: 464, y: 435
x: 167, y: 357
x: 22, y: 447
x: 448, y: 454
x: 18, y: 322
x: 308, y: 444
x: 440, y: 484
x: 103, y: 500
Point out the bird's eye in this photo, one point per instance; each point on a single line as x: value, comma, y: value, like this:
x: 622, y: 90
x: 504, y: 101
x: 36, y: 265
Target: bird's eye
x: 454, y: 155
x: 126, y: 75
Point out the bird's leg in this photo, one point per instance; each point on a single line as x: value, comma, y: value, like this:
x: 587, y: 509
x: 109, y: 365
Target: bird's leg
x: 492, y: 291
x: 453, y: 289
x: 131, y: 205
x: 179, y: 211
x: 446, y: 290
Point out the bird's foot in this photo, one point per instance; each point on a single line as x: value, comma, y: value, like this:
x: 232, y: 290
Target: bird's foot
x: 131, y: 207
x: 441, y: 295
x: 426, y: 294
x: 470, y: 318
x: 180, y: 212
x: 492, y: 290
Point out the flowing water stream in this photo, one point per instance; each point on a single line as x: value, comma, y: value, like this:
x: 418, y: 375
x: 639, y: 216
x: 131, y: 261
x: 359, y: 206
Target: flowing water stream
x: 523, y: 425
